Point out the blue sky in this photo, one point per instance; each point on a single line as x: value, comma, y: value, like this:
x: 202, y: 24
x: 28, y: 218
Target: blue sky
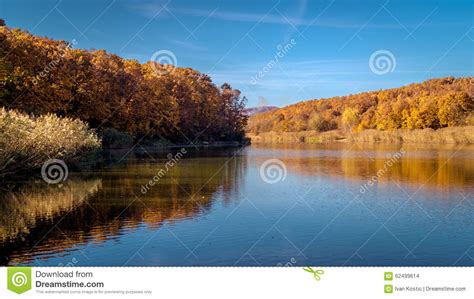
x: 328, y: 43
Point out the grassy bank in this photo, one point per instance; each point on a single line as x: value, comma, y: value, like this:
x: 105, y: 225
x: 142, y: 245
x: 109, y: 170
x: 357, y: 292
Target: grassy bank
x: 457, y: 135
x: 26, y: 142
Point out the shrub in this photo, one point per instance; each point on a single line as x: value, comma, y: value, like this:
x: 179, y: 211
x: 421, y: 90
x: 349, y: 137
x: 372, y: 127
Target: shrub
x: 112, y: 138
x: 26, y: 142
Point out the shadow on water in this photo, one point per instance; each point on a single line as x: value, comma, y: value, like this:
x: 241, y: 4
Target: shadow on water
x: 41, y: 220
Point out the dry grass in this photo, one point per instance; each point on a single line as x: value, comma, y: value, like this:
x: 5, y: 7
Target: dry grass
x: 27, y: 142
x: 456, y: 135
x: 297, y: 137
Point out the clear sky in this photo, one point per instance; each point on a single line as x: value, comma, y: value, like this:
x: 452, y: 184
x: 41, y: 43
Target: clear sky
x: 328, y: 43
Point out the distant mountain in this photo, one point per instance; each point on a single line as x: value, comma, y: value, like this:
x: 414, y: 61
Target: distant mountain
x: 257, y: 110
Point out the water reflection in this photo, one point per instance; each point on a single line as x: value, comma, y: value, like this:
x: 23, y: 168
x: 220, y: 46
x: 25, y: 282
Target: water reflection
x: 36, y: 203
x: 43, y: 220
x: 99, y: 211
x: 440, y: 166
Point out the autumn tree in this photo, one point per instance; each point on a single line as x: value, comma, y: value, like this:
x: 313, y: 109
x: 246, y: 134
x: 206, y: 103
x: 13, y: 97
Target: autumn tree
x: 350, y: 118
x: 436, y: 103
x: 143, y: 100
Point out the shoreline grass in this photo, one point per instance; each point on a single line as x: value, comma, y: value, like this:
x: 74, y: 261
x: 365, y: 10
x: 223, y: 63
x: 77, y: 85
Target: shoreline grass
x: 455, y: 135
x: 26, y: 142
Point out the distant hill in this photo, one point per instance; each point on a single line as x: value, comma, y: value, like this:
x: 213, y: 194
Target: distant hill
x: 257, y: 110
x: 435, y: 104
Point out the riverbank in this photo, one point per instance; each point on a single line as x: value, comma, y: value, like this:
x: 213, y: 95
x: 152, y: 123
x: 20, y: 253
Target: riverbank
x: 161, y: 146
x: 455, y: 135
x: 29, y: 143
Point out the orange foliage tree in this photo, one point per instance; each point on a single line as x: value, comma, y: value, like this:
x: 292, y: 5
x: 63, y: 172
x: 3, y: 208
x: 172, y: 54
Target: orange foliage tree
x: 436, y: 103
x: 42, y: 75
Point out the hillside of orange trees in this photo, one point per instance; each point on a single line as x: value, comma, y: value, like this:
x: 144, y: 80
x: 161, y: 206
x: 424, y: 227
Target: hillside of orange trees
x: 40, y: 75
x: 433, y: 104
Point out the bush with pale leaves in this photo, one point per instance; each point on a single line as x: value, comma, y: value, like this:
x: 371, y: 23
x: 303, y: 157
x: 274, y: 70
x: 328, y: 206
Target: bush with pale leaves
x: 26, y: 142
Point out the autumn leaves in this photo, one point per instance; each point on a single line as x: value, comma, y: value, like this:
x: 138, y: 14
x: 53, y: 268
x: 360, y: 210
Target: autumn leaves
x: 106, y: 91
x: 436, y: 103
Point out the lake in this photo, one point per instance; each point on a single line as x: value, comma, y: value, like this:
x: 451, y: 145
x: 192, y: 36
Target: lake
x: 268, y: 205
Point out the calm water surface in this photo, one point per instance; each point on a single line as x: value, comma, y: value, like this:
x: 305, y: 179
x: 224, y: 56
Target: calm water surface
x: 213, y: 208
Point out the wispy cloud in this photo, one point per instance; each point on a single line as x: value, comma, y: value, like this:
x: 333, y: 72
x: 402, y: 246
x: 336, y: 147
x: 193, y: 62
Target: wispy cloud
x: 299, y: 14
x: 275, y: 16
x: 294, y: 74
x: 187, y: 45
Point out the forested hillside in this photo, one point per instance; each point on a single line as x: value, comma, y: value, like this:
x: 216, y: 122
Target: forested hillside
x: 40, y: 75
x: 435, y: 104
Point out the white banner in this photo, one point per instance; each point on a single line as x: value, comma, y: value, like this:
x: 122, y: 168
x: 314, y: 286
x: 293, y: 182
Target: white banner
x: 237, y: 282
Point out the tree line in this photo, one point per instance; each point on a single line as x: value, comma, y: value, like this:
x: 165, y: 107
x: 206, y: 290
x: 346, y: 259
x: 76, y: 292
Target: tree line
x: 41, y: 75
x: 436, y: 103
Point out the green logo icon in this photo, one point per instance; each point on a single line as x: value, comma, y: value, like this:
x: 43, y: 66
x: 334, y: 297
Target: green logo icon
x: 316, y: 273
x: 19, y: 279
x: 388, y: 276
x: 388, y: 289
